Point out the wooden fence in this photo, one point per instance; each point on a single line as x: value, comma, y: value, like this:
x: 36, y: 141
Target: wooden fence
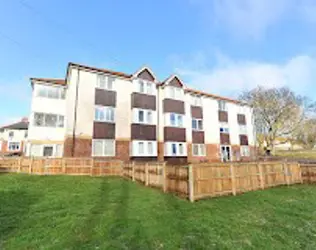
x: 308, y: 172
x: 194, y: 182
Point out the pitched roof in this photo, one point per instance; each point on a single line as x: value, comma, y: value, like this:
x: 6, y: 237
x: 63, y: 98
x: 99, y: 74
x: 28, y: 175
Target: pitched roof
x: 50, y: 80
x: 106, y: 71
x: 23, y: 124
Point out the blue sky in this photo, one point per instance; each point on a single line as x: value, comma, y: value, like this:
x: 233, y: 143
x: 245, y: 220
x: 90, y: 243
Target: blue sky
x: 219, y: 46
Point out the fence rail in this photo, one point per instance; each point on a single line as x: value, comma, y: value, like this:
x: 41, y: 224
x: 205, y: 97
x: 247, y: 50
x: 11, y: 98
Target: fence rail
x: 194, y: 182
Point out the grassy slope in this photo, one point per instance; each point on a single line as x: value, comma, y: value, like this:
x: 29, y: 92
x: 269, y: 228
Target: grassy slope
x: 109, y: 213
x: 297, y: 154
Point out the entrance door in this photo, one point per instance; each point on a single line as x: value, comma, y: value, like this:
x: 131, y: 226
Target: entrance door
x: 225, y: 153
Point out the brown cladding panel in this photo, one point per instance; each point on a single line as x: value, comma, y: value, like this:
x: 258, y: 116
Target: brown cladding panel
x: 243, y: 140
x: 102, y: 130
x: 143, y: 101
x: 105, y: 97
x: 241, y: 119
x: 173, y: 106
x: 146, y: 75
x: 198, y: 137
x: 174, y: 134
x: 143, y: 132
x: 225, y: 140
x: 197, y: 112
x: 222, y: 116
x: 175, y: 83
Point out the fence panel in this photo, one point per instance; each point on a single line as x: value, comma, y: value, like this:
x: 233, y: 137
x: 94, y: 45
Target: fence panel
x: 308, y: 173
x: 177, y: 180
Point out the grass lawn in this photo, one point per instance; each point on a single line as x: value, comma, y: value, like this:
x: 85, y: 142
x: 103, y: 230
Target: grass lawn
x: 64, y: 212
x: 297, y: 154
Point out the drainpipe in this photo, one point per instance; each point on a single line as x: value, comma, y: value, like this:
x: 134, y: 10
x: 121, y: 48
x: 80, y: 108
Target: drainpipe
x: 75, y: 116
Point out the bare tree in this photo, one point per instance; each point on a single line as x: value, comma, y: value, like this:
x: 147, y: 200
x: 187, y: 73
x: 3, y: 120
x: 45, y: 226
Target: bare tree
x: 306, y: 134
x: 278, y: 112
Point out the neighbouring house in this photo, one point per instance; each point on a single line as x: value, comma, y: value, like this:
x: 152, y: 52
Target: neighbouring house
x: 13, y: 137
x: 103, y: 113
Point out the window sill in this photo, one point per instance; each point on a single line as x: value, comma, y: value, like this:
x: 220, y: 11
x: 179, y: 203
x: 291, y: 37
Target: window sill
x: 104, y: 121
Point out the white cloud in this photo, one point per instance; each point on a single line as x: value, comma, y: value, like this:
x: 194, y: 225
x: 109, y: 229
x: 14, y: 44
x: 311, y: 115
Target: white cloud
x: 230, y: 77
x: 252, y: 18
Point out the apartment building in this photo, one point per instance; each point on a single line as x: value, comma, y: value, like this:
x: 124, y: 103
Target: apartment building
x: 13, y: 137
x: 102, y: 113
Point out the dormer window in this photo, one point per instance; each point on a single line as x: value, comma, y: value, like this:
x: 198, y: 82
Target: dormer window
x: 105, y: 82
x: 145, y: 87
x: 174, y: 93
x: 196, y: 100
x: 222, y: 106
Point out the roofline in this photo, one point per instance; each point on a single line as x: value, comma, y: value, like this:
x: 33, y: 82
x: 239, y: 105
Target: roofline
x: 48, y: 80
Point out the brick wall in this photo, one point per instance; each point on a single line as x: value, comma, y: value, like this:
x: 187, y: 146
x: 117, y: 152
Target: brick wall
x: 82, y: 147
x: 161, y: 150
x: 122, y: 150
x: 212, y: 154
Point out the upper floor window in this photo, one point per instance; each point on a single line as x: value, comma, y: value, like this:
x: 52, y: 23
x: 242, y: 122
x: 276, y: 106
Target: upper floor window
x: 14, y: 146
x: 105, y: 82
x: 145, y: 87
x: 224, y: 128
x: 52, y: 92
x: 104, y: 114
x: 196, y: 100
x: 143, y: 116
x: 198, y: 149
x: 175, y: 120
x: 197, y: 124
x: 242, y: 129
x: 174, y: 92
x: 48, y: 120
x: 222, y: 105
x: 11, y: 134
x: 175, y: 149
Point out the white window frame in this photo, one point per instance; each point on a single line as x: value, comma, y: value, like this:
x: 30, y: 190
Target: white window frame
x: 169, y: 149
x: 49, y: 145
x: 61, y: 91
x: 225, y: 127
x: 148, y: 87
x: 174, y: 93
x: 135, y: 148
x: 14, y: 142
x: 201, y: 149
x: 222, y: 105
x: 197, y: 123
x: 176, y: 123
x: 108, y: 84
x: 105, y: 110
x: 196, y: 100
x: 243, y: 152
x: 243, y: 130
x: 103, y: 147
x: 60, y: 120
x: 147, y: 113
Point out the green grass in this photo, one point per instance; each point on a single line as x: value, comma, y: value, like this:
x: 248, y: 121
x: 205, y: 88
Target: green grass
x: 64, y: 212
x: 297, y: 154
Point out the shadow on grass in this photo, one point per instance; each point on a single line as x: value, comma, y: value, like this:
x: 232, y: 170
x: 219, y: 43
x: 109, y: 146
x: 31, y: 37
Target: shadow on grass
x: 14, y: 208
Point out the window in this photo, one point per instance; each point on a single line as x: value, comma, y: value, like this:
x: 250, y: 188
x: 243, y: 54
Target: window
x: 149, y: 117
x: 197, y: 124
x: 174, y: 149
x: 244, y: 151
x: 145, y: 87
x: 52, y: 92
x: 48, y: 151
x: 174, y: 92
x: 175, y: 120
x: 105, y: 82
x: 222, y: 105
x: 181, y: 149
x: 25, y: 134
x: 196, y: 100
x: 141, y: 148
x: 11, y: 134
x: 14, y: 146
x: 242, y: 129
x: 104, y: 114
x: 150, y: 148
x: 198, y: 150
x: 224, y: 128
x: 48, y: 120
x: 103, y: 148
x: 141, y: 116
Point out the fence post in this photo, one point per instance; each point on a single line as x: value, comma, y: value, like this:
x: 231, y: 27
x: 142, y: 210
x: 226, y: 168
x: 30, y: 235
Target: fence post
x: 30, y: 165
x: 63, y: 165
x: 133, y: 171
x: 233, y: 178
x: 300, y: 174
x: 20, y: 163
x: 164, y: 178
x: 146, y: 175
x: 286, y: 172
x: 191, y: 183
x: 261, y: 176
x: 92, y: 165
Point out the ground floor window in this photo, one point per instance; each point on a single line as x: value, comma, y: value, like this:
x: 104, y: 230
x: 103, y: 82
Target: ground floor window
x: 244, y: 151
x: 48, y: 151
x: 14, y: 146
x: 103, y: 148
x: 175, y: 149
x: 198, y: 149
x: 225, y: 153
x: 144, y: 148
